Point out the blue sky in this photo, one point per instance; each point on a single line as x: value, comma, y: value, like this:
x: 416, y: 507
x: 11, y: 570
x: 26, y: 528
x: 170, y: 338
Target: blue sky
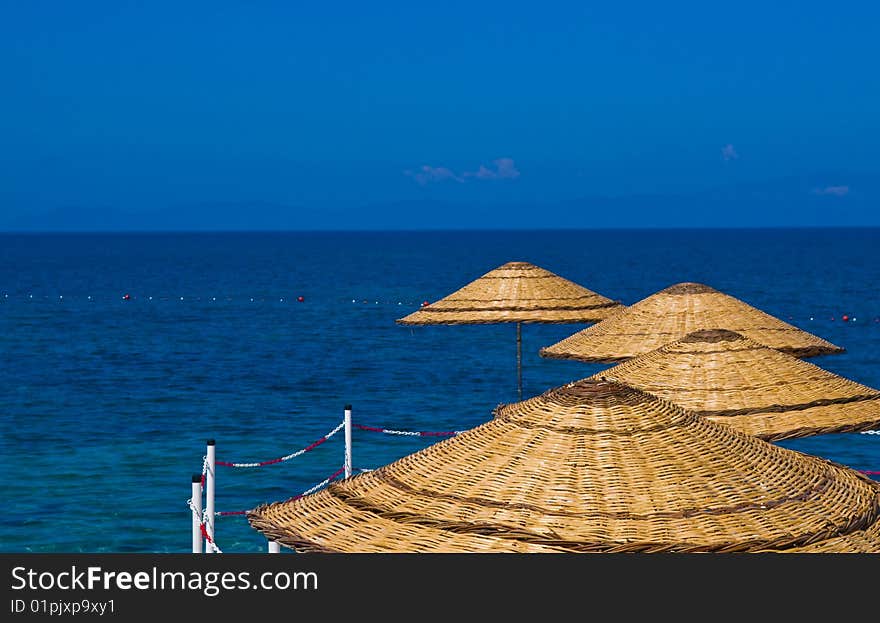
x: 422, y: 115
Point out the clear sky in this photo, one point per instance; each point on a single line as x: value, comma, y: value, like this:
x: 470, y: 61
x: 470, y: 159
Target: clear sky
x: 454, y: 114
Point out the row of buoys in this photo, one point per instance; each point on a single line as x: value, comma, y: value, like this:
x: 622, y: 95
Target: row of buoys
x: 847, y: 318
x: 365, y: 302
x: 301, y: 299
x: 127, y: 297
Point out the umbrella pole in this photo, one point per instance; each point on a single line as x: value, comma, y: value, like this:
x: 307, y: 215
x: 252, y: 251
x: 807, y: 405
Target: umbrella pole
x: 519, y: 357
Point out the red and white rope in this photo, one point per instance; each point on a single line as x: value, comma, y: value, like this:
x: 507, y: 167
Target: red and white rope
x: 192, y: 506
x: 204, y: 470
x: 321, y: 484
x: 407, y: 433
x: 202, y: 521
x: 292, y: 455
x: 204, y: 528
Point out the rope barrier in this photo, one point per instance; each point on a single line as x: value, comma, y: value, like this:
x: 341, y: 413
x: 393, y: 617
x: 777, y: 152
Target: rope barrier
x: 870, y: 472
x: 406, y: 433
x: 204, y: 528
x: 204, y: 470
x: 324, y: 482
x: 321, y: 484
x: 870, y: 432
x: 194, y: 510
x: 209, y: 539
x: 293, y: 455
x: 202, y: 525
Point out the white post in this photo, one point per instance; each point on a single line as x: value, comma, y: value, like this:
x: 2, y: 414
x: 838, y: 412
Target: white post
x: 209, y: 495
x: 347, y: 463
x: 274, y: 547
x: 197, y: 514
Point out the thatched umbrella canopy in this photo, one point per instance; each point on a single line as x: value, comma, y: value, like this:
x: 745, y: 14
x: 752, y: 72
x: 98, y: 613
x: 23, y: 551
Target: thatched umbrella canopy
x: 731, y: 379
x: 860, y: 541
x: 592, y: 466
x: 671, y: 314
x: 516, y: 292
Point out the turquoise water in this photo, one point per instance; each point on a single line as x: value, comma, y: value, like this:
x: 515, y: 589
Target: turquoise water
x: 107, y: 403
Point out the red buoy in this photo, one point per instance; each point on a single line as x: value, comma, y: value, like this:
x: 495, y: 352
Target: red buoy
x: 300, y: 298
x: 126, y: 297
x: 845, y: 318
x: 425, y: 303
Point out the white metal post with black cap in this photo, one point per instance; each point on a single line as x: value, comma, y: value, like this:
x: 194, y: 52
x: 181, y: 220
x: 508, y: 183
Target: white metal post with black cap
x: 347, y: 462
x: 197, y: 514
x: 210, y: 485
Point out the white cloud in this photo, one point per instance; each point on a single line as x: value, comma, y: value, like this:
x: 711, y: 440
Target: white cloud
x: 502, y: 169
x: 427, y: 174
x: 836, y: 191
x: 505, y: 169
x: 728, y: 152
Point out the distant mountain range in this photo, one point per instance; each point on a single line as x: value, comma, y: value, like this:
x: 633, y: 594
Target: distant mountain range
x: 208, y: 216
x: 805, y: 201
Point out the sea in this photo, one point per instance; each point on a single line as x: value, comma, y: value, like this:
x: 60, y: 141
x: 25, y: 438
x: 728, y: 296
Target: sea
x: 123, y: 353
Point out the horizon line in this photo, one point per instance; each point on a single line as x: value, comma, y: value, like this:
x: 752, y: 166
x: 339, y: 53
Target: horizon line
x: 433, y: 230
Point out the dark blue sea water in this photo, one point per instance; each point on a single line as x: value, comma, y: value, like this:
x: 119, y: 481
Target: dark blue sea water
x: 107, y: 403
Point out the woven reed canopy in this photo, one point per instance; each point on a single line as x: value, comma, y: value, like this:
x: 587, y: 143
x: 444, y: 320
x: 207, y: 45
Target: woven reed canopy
x: 731, y: 379
x: 592, y: 466
x: 671, y: 314
x: 516, y: 292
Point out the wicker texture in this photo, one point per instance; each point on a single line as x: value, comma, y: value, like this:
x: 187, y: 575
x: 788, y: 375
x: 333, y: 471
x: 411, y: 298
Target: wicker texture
x: 671, y: 314
x: 516, y: 292
x: 761, y: 391
x: 858, y: 542
x: 588, y: 467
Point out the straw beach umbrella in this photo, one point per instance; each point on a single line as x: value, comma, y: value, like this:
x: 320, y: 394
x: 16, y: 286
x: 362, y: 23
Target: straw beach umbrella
x: 589, y: 467
x: 671, y: 314
x: 516, y: 292
x: 731, y: 379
